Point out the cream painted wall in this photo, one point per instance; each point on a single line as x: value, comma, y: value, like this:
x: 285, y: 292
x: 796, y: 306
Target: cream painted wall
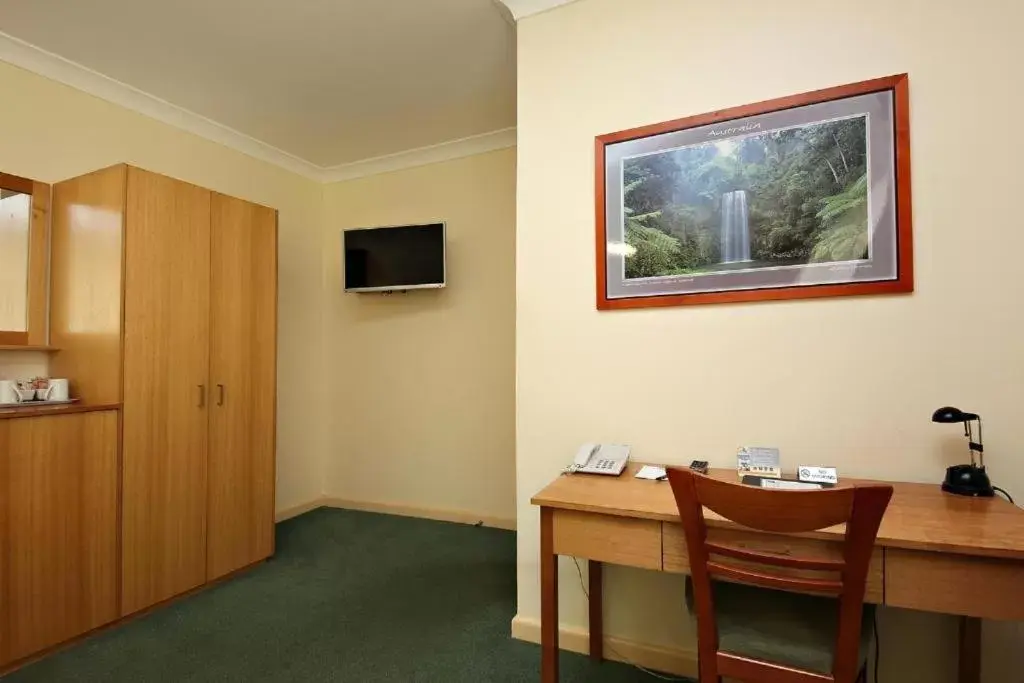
x: 421, y: 385
x: 850, y: 382
x: 51, y: 132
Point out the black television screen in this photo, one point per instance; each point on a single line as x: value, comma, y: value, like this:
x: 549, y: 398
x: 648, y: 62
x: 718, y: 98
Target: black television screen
x: 403, y: 257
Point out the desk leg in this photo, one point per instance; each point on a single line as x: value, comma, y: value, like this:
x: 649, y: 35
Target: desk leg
x: 548, y: 598
x: 970, y: 650
x: 596, y: 610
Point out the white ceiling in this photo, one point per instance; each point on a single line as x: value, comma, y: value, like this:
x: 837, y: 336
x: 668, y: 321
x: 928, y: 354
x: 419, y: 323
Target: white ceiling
x: 330, y: 82
x: 524, y: 8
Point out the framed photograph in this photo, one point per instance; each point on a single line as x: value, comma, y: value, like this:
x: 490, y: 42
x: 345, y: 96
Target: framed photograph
x: 798, y: 197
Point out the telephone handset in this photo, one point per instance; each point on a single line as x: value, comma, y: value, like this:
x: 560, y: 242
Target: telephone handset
x: 595, y: 458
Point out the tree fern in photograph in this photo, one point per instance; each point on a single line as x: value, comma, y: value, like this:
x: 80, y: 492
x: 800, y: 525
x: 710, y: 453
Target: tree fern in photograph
x: 844, y: 217
x: 655, y: 252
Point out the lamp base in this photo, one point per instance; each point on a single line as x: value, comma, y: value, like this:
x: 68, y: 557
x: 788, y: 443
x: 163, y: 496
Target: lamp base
x: 968, y: 480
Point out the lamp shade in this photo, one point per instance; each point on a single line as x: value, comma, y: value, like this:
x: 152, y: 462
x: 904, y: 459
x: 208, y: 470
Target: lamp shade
x: 951, y: 415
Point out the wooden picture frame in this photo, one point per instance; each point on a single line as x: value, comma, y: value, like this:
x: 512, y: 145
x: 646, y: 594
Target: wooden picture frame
x: 871, y: 118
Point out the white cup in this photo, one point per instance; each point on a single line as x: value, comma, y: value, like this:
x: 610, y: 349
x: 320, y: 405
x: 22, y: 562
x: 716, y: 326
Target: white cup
x: 8, y: 392
x: 58, y: 390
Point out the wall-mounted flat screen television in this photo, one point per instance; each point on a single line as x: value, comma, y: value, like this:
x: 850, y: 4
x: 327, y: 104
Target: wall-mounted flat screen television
x: 394, y: 258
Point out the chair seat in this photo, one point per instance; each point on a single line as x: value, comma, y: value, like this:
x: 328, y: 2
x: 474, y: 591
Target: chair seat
x: 780, y: 627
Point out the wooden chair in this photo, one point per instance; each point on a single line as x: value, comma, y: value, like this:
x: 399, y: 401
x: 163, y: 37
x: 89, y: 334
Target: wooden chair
x: 748, y: 626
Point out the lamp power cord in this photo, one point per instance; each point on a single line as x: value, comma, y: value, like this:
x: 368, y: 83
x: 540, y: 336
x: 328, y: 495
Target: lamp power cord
x: 618, y: 654
x: 655, y: 674
x: 1003, y: 491
x: 878, y: 647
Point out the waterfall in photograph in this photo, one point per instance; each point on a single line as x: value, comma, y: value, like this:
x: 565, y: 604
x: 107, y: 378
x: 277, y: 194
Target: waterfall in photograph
x: 735, y: 227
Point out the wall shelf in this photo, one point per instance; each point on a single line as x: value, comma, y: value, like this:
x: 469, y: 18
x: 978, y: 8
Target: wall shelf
x: 46, y: 349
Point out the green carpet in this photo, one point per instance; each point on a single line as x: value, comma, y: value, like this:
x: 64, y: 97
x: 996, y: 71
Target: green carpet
x: 350, y: 596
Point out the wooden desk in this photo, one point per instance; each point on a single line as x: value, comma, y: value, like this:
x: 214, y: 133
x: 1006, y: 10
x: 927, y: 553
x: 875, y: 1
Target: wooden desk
x: 935, y: 552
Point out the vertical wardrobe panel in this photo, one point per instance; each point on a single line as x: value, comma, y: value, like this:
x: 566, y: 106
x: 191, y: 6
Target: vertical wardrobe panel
x: 243, y: 322
x: 86, y: 251
x: 58, y: 529
x: 166, y: 364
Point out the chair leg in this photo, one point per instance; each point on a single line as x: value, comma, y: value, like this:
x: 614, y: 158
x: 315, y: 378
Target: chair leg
x: 702, y: 675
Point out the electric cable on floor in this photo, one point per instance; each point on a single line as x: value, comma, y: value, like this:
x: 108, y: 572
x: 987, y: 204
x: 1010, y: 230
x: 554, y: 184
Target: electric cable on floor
x: 874, y: 624
x: 627, y: 660
x: 583, y: 586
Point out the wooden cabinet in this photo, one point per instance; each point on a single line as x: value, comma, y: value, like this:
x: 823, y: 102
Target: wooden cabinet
x: 243, y: 368
x: 166, y: 368
x: 58, y: 529
x: 192, y: 358
x: 164, y: 302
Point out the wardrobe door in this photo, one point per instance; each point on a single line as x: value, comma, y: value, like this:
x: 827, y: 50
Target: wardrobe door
x: 243, y: 322
x: 166, y: 392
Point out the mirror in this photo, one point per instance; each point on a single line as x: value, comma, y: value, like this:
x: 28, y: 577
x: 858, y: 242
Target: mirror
x: 15, y: 219
x: 24, y: 237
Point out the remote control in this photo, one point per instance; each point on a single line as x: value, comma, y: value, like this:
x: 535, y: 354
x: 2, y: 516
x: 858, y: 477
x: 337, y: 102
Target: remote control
x: 699, y: 466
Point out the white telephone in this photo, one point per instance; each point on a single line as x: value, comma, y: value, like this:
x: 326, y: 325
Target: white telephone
x: 595, y: 458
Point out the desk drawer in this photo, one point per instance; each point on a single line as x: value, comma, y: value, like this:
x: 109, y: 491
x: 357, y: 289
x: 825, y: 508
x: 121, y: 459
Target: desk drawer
x: 954, y: 584
x: 618, y: 540
x: 675, y: 558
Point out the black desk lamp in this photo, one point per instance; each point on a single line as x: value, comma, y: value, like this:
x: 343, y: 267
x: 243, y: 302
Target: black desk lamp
x: 966, y: 480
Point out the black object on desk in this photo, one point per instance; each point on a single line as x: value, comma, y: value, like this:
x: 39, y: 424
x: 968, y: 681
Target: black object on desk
x: 783, y: 484
x: 972, y: 479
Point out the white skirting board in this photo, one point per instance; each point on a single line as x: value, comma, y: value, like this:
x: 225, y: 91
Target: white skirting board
x: 458, y: 516
x: 679, y: 662
x: 297, y: 510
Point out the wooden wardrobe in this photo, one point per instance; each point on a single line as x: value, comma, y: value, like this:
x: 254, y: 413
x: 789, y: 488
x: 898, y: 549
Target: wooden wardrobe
x: 163, y: 299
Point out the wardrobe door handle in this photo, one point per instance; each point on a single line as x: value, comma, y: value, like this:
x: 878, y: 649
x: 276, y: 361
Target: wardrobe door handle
x: 220, y: 394
x: 202, y: 395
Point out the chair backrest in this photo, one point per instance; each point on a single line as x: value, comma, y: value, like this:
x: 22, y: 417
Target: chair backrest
x: 781, y: 511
